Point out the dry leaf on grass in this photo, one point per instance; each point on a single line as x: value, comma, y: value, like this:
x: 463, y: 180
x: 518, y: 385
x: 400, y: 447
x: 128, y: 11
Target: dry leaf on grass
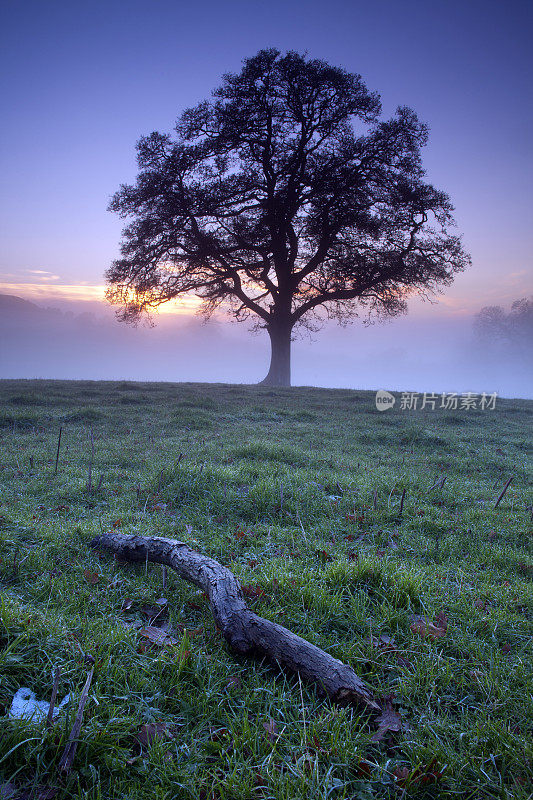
x: 253, y: 592
x: 401, y: 774
x: 388, y: 720
x: 155, y: 611
x: 364, y: 769
x: 442, y: 620
x: 430, y: 630
x: 92, y: 578
x: 233, y: 682
x: 149, y: 733
x: 158, y: 636
x: 272, y: 730
x: 382, y: 642
x: 130, y: 624
x: 431, y: 773
x: 403, y: 662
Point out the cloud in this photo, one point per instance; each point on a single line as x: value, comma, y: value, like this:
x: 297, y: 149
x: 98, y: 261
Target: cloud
x: 39, y: 271
x: 43, y: 275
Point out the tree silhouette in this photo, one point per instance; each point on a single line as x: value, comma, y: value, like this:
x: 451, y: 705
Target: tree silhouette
x: 284, y: 198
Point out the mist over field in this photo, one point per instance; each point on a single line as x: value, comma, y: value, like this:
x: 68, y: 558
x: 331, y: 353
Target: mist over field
x: 433, y: 352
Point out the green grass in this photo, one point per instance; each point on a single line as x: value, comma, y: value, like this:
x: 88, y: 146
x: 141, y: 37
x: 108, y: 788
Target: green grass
x: 298, y: 492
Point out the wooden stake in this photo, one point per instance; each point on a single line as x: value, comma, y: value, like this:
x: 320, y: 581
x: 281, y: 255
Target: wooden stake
x: 401, y: 503
x: 503, y: 492
x: 89, y: 479
x: 58, y: 447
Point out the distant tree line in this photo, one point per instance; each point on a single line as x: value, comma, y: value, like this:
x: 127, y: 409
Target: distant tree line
x: 511, y: 331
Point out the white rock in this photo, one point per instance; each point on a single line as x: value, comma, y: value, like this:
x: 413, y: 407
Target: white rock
x: 26, y: 706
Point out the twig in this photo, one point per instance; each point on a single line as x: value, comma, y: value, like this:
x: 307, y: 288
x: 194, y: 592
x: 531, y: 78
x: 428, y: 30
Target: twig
x: 67, y: 759
x: 503, y: 492
x: 58, y: 447
x: 245, y: 632
x: 50, y: 717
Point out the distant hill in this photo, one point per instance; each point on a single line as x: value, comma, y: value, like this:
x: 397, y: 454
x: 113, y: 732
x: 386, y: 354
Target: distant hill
x: 12, y: 304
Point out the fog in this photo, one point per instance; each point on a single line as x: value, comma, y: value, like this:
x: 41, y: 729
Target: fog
x: 420, y: 352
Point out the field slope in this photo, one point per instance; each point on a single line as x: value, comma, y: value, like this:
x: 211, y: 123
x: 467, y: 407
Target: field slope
x: 298, y: 492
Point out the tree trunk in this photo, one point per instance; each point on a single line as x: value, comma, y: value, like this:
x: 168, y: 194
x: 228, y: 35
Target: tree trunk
x: 245, y: 632
x: 279, y: 373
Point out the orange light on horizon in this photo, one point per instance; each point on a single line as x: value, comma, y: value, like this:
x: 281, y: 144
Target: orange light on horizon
x: 46, y: 293
x: 457, y: 305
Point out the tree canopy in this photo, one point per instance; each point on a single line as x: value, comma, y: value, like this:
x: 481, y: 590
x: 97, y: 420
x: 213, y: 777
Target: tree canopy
x: 285, y: 198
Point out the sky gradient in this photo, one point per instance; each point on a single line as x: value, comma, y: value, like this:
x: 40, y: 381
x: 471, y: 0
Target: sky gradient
x: 81, y: 82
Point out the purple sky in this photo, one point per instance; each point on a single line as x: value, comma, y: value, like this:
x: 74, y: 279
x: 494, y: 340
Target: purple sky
x: 82, y: 81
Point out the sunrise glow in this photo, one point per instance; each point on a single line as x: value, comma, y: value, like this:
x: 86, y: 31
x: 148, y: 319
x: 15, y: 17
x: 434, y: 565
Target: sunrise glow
x: 46, y: 293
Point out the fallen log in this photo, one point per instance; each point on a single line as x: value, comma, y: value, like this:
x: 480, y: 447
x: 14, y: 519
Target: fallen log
x: 245, y: 632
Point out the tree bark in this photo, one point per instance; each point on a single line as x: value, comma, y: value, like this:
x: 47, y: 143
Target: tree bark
x: 279, y: 373
x: 245, y: 632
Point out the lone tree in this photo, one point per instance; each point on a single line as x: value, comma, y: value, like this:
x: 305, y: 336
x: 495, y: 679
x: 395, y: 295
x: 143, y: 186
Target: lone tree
x: 284, y: 195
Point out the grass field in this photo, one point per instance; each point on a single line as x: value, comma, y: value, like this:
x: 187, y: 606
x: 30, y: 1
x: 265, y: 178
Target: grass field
x: 298, y: 492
